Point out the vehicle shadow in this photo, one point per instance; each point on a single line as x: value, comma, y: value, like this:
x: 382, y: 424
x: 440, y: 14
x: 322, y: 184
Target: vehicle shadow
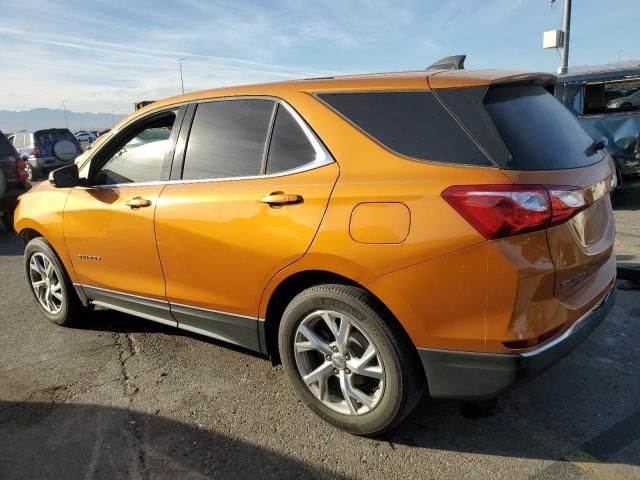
x: 627, y: 199
x: 516, y: 427
x: 10, y: 244
x: 105, y: 320
x: 51, y: 440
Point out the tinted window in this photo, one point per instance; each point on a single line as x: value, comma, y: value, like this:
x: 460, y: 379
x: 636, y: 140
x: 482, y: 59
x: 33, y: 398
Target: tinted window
x: 539, y: 131
x: 227, y: 139
x: 414, y: 124
x: 290, y: 147
x: 52, y: 136
x: 141, y: 157
x: 5, y: 146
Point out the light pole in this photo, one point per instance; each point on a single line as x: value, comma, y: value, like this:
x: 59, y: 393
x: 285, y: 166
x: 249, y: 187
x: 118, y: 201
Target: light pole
x: 66, y: 120
x: 566, y: 24
x: 180, y: 60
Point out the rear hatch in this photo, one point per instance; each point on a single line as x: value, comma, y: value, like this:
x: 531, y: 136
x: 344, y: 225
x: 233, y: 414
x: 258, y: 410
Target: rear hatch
x: 57, y: 143
x: 535, y: 140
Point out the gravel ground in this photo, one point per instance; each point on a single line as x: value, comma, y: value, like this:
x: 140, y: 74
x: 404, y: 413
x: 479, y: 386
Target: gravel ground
x: 126, y: 398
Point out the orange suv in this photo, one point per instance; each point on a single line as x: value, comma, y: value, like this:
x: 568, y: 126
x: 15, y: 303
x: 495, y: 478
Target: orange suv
x: 379, y: 235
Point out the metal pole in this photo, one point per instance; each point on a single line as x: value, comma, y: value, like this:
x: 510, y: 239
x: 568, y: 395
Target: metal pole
x: 566, y: 25
x: 181, y: 81
x: 66, y: 121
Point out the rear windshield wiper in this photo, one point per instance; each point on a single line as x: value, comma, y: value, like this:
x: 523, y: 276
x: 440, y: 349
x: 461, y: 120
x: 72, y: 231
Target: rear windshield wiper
x: 596, y: 146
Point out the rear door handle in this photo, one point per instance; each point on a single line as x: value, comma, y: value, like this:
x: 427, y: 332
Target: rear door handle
x: 137, y: 202
x: 277, y: 199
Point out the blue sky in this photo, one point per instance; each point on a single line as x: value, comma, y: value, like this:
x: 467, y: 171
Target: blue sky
x: 103, y: 56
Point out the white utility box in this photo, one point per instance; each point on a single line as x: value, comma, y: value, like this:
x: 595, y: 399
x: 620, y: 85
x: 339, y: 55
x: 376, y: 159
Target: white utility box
x: 552, y: 39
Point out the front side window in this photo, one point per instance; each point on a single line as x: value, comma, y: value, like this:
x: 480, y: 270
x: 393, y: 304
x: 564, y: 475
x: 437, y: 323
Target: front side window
x: 227, y: 139
x: 141, y: 156
x: 289, y: 148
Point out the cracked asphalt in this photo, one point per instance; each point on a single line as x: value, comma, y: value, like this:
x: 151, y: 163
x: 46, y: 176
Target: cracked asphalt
x: 120, y: 397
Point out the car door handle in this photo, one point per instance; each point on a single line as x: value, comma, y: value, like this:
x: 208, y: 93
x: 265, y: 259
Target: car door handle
x: 277, y: 199
x: 137, y: 202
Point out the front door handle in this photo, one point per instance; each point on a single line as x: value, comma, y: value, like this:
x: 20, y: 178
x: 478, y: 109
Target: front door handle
x: 137, y: 202
x: 277, y: 199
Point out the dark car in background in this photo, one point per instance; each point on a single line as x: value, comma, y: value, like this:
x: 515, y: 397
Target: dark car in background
x: 46, y: 150
x: 606, y: 100
x: 13, y: 180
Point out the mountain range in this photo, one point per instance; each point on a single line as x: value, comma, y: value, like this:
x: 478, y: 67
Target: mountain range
x: 40, y: 118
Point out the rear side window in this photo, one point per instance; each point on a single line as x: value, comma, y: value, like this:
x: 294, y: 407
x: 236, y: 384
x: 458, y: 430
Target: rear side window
x: 538, y: 130
x: 5, y: 146
x: 414, y: 124
x: 52, y: 136
x: 289, y: 148
x: 227, y: 139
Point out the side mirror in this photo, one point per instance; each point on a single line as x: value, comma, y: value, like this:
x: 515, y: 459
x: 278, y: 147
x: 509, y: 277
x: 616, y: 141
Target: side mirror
x: 65, y: 177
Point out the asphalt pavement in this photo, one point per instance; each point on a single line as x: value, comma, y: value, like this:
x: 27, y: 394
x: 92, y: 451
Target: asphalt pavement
x: 120, y: 397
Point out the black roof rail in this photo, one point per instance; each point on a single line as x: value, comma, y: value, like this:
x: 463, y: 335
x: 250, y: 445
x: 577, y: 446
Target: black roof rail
x: 454, y: 62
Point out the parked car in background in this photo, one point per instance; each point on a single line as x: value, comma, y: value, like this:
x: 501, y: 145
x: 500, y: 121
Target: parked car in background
x: 13, y: 180
x: 86, y: 137
x: 606, y: 100
x: 377, y: 234
x: 46, y: 150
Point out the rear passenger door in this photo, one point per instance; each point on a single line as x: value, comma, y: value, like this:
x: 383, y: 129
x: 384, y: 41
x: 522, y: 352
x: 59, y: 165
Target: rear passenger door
x: 253, y: 188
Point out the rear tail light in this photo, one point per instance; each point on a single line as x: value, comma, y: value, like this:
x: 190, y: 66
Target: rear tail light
x: 35, y: 151
x: 503, y: 210
x: 21, y: 167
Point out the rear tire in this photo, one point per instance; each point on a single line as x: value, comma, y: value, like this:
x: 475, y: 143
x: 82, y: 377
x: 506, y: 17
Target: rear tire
x: 362, y: 397
x: 50, y: 284
x: 32, y: 173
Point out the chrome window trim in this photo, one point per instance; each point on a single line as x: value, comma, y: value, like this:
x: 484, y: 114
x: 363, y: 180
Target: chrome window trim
x: 323, y: 157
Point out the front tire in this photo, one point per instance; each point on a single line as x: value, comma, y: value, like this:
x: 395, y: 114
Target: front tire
x: 347, y: 360
x: 50, y: 284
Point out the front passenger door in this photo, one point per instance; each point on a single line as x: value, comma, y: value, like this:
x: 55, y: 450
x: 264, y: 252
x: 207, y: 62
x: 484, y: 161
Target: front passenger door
x: 108, y: 222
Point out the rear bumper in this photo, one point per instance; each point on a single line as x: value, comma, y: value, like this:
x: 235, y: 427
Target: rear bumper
x: 455, y: 374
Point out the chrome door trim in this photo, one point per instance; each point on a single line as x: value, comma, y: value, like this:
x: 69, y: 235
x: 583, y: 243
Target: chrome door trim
x: 144, y: 307
x: 323, y: 157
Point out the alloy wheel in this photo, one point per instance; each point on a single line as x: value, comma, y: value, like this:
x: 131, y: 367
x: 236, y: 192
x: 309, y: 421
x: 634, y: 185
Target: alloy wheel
x: 339, y: 362
x: 46, y: 283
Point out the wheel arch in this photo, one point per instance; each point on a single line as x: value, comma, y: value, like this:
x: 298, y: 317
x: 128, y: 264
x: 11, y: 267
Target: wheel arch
x: 297, y: 282
x: 28, y: 234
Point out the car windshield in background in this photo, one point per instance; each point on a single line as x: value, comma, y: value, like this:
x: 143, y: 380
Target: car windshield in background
x: 539, y: 131
x: 5, y: 146
x: 615, y: 96
x: 52, y: 136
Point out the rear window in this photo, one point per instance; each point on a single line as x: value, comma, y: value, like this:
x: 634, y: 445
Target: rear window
x: 414, y: 124
x: 52, y: 136
x: 538, y: 130
x: 5, y: 146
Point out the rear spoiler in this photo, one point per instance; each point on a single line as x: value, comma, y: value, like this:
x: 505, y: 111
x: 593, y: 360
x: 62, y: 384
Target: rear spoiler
x: 537, y: 78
